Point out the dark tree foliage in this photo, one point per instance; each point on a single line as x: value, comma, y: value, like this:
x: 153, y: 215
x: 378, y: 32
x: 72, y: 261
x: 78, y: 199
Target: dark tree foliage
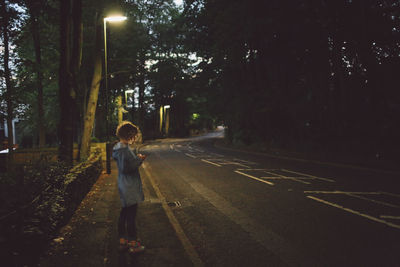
x: 148, y: 56
x: 8, y: 15
x: 297, y: 74
x: 301, y: 74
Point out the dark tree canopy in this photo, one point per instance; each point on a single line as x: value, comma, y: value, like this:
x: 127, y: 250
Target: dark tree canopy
x: 308, y: 75
x: 302, y: 73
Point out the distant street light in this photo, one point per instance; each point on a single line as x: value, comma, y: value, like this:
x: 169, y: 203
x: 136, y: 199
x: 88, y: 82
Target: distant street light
x: 127, y: 93
x: 164, y: 119
x: 167, y: 111
x: 108, y: 147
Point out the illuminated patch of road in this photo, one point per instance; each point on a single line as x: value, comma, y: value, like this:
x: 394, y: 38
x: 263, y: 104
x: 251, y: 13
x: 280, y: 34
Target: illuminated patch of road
x: 187, y: 245
x: 272, y: 241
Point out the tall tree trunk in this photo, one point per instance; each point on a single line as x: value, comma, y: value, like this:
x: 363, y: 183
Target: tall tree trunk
x: 93, y: 97
x: 8, y: 95
x: 33, y: 9
x: 77, y: 30
x: 70, y: 62
x: 65, y: 86
x: 75, y: 66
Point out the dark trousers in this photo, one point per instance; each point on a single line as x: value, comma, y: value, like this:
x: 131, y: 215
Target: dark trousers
x: 127, y: 222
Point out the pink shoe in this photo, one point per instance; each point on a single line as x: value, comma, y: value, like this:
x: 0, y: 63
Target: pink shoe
x: 134, y: 246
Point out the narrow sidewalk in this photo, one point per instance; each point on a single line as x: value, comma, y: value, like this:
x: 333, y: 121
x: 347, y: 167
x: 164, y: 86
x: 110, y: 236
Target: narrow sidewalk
x: 90, y: 238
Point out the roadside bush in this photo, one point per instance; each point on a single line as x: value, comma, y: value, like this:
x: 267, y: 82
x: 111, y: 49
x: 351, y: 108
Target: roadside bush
x: 48, y: 197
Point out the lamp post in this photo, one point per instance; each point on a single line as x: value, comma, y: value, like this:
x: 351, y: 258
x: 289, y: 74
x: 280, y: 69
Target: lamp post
x: 164, y: 119
x: 166, y: 111
x: 108, y: 145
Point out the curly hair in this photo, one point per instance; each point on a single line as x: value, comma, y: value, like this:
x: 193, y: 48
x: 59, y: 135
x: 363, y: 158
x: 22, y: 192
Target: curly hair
x: 126, y: 130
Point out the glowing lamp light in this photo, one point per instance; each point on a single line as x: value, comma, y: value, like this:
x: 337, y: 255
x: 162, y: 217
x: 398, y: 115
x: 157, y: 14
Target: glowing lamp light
x: 115, y: 18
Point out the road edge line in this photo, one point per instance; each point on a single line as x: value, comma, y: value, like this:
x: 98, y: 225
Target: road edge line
x: 187, y: 245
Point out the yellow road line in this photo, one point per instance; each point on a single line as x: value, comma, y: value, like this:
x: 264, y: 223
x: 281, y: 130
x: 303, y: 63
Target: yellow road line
x: 187, y: 245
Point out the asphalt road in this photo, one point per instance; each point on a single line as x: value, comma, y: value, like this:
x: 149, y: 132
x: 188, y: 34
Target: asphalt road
x: 232, y: 208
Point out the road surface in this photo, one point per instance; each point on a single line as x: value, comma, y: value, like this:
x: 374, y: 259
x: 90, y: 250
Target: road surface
x: 232, y: 208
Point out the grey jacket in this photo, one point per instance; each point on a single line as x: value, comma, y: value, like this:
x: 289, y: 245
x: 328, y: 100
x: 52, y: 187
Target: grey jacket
x: 129, y: 182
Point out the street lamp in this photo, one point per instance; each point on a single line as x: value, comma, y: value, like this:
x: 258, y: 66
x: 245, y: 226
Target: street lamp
x: 166, y: 111
x: 164, y: 118
x: 108, y: 145
x: 127, y: 93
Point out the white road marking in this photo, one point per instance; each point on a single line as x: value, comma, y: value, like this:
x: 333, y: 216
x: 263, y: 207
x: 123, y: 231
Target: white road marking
x: 275, y: 176
x: 258, y: 169
x: 280, y: 178
x: 390, y: 217
x: 217, y: 155
x: 355, y: 212
x: 245, y: 161
x: 253, y: 177
x: 374, y: 201
x: 287, y: 177
x: 303, y: 174
x: 171, y: 146
x: 198, y: 150
x: 233, y: 163
x: 342, y: 192
x: 211, y: 163
x: 390, y: 194
x: 190, y: 155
